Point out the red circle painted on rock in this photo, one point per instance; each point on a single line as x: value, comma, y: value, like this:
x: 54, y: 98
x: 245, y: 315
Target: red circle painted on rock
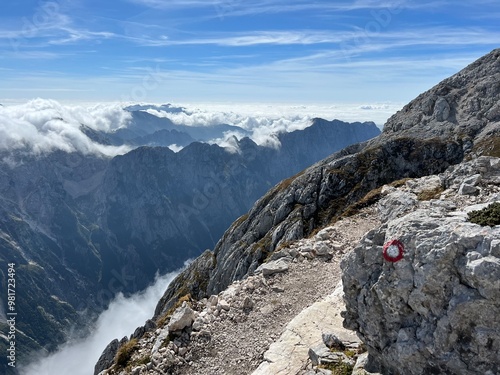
x: 393, y: 251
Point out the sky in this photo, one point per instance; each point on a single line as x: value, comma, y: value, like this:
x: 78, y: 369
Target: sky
x: 238, y: 51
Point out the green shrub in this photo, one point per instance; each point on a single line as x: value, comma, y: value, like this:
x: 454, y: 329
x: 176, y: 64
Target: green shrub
x: 489, y: 216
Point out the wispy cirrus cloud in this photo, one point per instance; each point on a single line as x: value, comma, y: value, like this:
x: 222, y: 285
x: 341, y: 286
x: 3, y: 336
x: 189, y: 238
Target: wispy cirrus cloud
x: 249, y: 7
x: 257, y: 38
x: 46, y: 29
x: 404, y: 38
x: 72, y: 35
x: 31, y: 55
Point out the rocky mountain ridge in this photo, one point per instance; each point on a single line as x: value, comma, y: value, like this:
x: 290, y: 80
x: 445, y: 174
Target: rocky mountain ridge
x: 454, y: 121
x: 233, y: 332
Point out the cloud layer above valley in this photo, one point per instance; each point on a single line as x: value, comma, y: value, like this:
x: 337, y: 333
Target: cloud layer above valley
x: 42, y: 126
x: 122, y: 317
x: 263, y: 120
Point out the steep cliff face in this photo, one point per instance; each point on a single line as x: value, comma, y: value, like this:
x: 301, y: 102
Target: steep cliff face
x: 436, y: 310
x: 82, y: 228
x: 455, y: 119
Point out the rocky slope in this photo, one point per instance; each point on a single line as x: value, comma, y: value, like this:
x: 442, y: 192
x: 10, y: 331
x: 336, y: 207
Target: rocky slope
x: 82, y: 228
x: 230, y: 332
x: 417, y: 316
x: 437, y: 310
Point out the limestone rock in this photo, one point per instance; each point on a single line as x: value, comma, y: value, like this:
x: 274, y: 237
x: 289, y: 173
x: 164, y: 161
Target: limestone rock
x: 365, y: 366
x: 108, y: 355
x: 288, y: 355
x: 332, y: 341
x: 213, y: 300
x: 466, y: 189
x: 441, y: 109
x: 436, y: 310
x: 198, y: 324
x: 183, y: 317
x: 321, y: 355
x: 162, y: 335
x: 140, y: 331
x: 277, y: 266
x: 393, y: 205
x: 223, y: 305
x: 248, y: 304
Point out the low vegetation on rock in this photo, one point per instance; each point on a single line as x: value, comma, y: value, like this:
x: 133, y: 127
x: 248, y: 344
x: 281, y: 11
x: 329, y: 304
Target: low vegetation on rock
x: 488, y: 216
x: 125, y: 353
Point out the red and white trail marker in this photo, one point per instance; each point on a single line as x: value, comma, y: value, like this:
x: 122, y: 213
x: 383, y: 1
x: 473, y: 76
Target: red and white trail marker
x: 393, y: 251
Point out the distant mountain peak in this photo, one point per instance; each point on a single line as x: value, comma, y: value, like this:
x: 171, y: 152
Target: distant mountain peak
x: 463, y: 105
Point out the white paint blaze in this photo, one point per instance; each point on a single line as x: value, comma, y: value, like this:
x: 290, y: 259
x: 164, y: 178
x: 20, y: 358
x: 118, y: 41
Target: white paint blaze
x: 393, y: 251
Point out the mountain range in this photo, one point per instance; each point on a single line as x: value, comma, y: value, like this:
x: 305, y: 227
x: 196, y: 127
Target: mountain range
x: 82, y: 228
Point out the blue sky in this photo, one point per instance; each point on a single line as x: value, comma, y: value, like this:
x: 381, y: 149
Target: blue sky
x: 276, y: 51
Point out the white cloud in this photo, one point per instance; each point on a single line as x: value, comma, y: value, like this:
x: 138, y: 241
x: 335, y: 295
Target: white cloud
x: 175, y: 148
x: 266, y: 37
x: 122, y: 317
x: 224, y: 8
x: 277, y: 117
x: 265, y: 121
x: 42, y: 126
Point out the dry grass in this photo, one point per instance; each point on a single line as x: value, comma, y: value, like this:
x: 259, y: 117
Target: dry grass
x: 125, y: 353
x: 427, y: 195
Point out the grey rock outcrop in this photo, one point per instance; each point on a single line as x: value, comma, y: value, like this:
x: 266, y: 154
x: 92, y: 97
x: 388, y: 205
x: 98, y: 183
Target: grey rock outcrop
x: 272, y: 267
x: 182, y: 317
x: 438, y: 309
x: 464, y: 105
x: 107, y: 357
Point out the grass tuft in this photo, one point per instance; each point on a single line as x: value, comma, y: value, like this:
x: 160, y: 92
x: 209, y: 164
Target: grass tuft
x: 125, y: 353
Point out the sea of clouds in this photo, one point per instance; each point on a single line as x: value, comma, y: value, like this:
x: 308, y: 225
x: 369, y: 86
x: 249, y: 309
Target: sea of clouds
x: 40, y: 126
x: 123, y: 316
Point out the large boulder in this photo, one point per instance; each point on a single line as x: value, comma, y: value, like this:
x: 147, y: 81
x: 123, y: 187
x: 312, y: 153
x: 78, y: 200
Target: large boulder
x: 182, y: 317
x: 436, y: 311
